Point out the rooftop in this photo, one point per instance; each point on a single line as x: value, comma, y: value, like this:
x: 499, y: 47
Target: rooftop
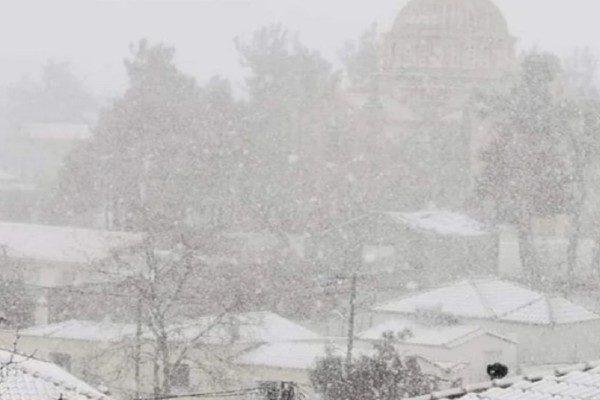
x: 82, y: 330
x: 9, y: 182
x: 61, y: 243
x: 257, y: 327
x: 495, y: 299
x: 467, y: 17
x: 298, y: 355
x: 24, y: 378
x: 441, y: 222
x: 57, y: 132
x: 253, y: 327
x: 304, y: 355
x: 575, y: 382
x: 437, y: 336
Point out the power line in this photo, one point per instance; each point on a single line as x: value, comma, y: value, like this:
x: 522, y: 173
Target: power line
x: 229, y: 393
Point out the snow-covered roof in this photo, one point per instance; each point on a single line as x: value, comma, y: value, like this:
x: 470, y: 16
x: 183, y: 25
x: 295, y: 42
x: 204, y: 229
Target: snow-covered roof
x: 437, y: 336
x: 254, y: 327
x: 58, y: 132
x: 495, y: 299
x: 576, y: 382
x: 304, y: 355
x: 293, y: 355
x: 9, y: 182
x: 5, y: 176
x: 258, y: 327
x: 62, y: 244
x: 82, y: 330
x: 441, y: 222
x: 25, y: 378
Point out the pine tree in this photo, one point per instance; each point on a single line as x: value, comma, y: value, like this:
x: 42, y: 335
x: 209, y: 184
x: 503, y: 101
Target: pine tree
x: 161, y: 154
x: 291, y: 109
x: 526, y: 172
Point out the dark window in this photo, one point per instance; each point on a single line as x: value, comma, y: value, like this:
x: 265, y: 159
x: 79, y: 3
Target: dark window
x: 180, y: 376
x: 63, y: 360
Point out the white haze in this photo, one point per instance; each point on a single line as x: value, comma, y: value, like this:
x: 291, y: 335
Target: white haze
x: 93, y: 35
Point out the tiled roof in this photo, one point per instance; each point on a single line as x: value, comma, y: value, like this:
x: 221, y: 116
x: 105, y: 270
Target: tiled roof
x: 577, y: 382
x: 23, y: 378
x: 495, y: 299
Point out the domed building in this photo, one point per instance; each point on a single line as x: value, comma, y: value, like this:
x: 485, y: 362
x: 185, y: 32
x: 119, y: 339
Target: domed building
x: 462, y: 35
x: 438, y: 54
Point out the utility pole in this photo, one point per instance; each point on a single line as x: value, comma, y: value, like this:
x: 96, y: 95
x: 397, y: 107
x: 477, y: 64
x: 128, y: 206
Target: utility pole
x: 351, y: 323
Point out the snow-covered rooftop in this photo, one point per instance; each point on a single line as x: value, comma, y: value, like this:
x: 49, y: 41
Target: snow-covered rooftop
x: 441, y: 222
x: 25, y: 378
x: 254, y: 327
x: 577, y: 382
x: 5, y: 176
x: 258, y: 327
x: 293, y: 355
x: 9, y: 182
x: 62, y: 244
x: 83, y: 330
x: 304, y: 355
x: 492, y: 298
x: 58, y: 132
x: 438, y: 336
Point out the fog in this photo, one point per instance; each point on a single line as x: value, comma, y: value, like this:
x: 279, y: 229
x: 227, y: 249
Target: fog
x: 94, y: 35
x: 299, y: 200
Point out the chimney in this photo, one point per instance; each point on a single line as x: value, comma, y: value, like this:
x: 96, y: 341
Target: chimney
x: 41, y: 310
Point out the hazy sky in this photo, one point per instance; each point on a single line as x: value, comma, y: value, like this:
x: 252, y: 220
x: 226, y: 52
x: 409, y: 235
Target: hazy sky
x: 94, y: 34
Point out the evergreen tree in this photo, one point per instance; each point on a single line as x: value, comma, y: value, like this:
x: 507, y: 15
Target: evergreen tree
x: 526, y: 171
x: 58, y: 97
x: 360, y: 57
x: 159, y: 153
x: 291, y: 109
x: 386, y: 375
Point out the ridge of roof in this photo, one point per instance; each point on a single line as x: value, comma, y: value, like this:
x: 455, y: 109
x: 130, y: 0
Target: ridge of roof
x: 486, y: 304
x: 479, y: 388
x: 519, y: 313
x: 431, y: 289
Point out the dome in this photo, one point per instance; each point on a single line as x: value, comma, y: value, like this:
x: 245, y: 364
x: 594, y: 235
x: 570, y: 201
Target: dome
x: 467, y: 35
x: 447, y: 17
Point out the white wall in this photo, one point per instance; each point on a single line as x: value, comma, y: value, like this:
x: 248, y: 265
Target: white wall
x: 473, y: 352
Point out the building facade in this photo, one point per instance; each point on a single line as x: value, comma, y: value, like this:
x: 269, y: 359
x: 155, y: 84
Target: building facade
x: 437, y: 57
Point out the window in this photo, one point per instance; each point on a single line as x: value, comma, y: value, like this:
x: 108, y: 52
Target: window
x: 63, y: 360
x: 180, y: 376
